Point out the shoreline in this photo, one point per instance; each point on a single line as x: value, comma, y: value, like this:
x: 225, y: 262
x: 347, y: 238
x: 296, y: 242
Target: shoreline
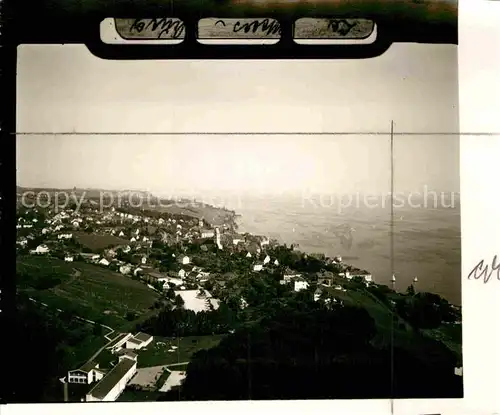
x: 311, y: 252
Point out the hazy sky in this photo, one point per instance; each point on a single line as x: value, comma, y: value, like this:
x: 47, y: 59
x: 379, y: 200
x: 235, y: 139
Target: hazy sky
x: 66, y: 89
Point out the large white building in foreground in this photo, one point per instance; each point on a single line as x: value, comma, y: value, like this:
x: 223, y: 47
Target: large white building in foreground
x: 115, y: 381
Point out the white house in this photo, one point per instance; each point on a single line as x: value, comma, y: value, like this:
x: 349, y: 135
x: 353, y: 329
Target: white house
x: 287, y: 278
x: 68, y: 258
x: 349, y: 276
x: 88, y: 373
x: 121, y: 234
x: 45, y: 230
x: 258, y: 267
x: 300, y: 285
x: 345, y: 274
x: 132, y: 240
x: 65, y: 236
x: 126, y: 249
x: 459, y: 371
x: 76, y: 224
x: 267, y: 259
x: 113, y: 384
x: 125, y: 269
x: 182, y: 273
x: 139, y: 341
x: 119, y: 342
x: 207, y: 233
x: 276, y: 262
x: 249, y: 255
x: 175, y: 281
x: 104, y: 262
x: 41, y: 249
x: 185, y: 260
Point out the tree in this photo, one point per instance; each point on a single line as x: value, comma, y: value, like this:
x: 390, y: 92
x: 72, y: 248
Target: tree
x: 179, y: 302
x: 410, y: 290
x: 130, y: 316
x: 97, y: 329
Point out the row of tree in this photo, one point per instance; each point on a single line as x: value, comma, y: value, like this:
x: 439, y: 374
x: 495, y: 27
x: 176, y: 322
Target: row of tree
x: 322, y: 354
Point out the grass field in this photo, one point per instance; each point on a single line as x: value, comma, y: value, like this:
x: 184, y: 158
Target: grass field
x: 97, y: 293
x: 450, y: 335
x: 383, y: 318
x: 157, y: 353
x: 97, y: 242
x: 402, y: 335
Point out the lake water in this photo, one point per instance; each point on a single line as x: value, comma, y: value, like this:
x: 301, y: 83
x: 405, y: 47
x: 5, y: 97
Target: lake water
x: 426, y: 239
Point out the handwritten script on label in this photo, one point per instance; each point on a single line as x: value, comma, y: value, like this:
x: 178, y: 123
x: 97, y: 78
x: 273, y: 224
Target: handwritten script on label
x: 239, y: 28
x: 161, y: 28
x: 485, y: 272
x: 310, y: 28
x: 342, y: 27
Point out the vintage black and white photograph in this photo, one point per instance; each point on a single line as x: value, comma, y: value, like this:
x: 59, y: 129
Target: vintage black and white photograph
x: 193, y: 230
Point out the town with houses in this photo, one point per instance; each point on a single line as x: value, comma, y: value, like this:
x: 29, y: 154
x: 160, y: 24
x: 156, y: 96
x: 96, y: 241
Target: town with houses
x: 133, y: 242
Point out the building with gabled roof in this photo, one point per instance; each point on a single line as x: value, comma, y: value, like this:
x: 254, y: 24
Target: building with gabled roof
x: 115, y: 381
x: 139, y: 341
x: 88, y: 373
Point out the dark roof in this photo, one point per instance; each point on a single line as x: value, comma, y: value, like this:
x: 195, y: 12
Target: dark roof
x: 156, y: 274
x: 112, y: 378
x: 360, y: 272
x: 253, y: 247
x: 142, y: 336
x: 129, y: 353
x: 78, y: 371
x: 118, y: 339
x: 88, y: 366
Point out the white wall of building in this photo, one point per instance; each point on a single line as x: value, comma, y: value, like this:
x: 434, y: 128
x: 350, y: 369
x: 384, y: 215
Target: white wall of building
x: 147, y: 342
x: 115, y: 392
x: 300, y: 285
x: 120, y: 386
